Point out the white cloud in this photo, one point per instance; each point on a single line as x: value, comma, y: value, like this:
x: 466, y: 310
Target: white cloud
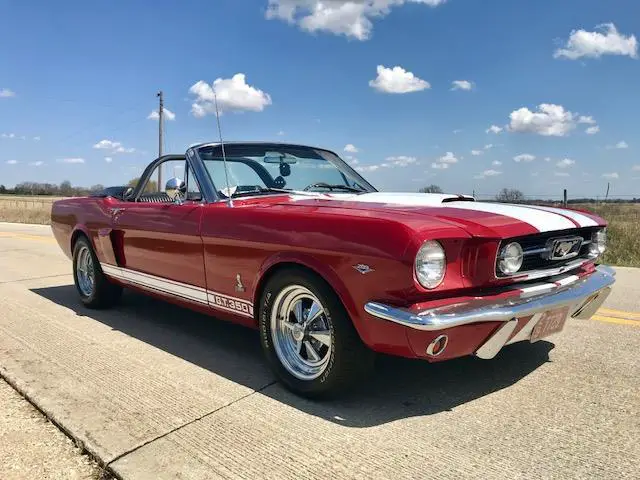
x: 524, y: 157
x: 351, y: 18
x: 397, y: 80
x: 168, y: 114
x: 351, y: 160
x: 114, y: 147
x: 494, y: 129
x: 565, y: 163
x: 8, y: 135
x: 488, y: 146
x: 549, y: 120
x: 560, y: 174
x: 457, y: 131
x: 547, y: 159
x: 351, y: 148
x: 280, y: 133
x: 607, y: 41
x: 368, y: 168
x: 71, y: 160
x: 234, y: 95
x: 12, y: 162
x: 496, y: 163
x: 592, y: 130
x: 636, y: 168
x: 448, y: 158
x: 589, y: 120
x: 461, y: 85
x: 443, y: 162
x: 7, y: 93
x: 622, y: 145
x: 488, y: 173
x: 36, y: 164
x: 36, y: 139
x: 612, y: 175
x: 108, y: 159
x: 401, y: 160
x: 440, y: 166
x: 476, y: 152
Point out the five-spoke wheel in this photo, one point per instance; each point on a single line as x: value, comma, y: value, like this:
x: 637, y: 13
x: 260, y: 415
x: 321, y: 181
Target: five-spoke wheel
x: 95, y: 289
x: 301, y: 332
x: 307, y: 335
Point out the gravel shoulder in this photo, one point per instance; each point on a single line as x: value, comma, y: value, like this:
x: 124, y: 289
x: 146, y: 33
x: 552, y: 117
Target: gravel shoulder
x: 31, y: 447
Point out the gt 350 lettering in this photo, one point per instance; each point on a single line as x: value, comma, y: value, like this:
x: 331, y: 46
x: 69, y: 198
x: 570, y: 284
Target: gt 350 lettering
x: 239, y: 306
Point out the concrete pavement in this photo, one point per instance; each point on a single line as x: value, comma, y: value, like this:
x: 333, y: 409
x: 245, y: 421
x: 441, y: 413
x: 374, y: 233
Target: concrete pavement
x: 160, y: 392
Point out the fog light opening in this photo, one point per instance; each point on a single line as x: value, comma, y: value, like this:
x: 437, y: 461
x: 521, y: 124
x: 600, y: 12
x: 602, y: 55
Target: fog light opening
x: 437, y: 346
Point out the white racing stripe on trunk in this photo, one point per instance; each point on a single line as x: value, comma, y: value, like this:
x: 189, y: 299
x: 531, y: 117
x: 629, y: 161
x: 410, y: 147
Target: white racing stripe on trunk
x: 539, y: 219
x: 582, y: 220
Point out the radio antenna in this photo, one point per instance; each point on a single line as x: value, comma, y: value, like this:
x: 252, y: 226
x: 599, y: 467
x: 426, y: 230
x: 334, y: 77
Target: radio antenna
x: 224, y: 156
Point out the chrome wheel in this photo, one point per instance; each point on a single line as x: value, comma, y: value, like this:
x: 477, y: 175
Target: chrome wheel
x: 85, y: 273
x: 301, y: 332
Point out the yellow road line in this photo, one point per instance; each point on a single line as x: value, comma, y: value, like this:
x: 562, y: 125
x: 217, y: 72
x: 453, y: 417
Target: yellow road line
x: 619, y: 321
x: 25, y: 236
x: 619, y: 313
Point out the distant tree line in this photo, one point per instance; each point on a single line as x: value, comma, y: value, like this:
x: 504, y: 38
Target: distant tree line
x: 65, y: 189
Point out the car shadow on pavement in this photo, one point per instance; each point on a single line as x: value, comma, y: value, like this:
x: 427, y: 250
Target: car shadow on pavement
x: 399, y: 388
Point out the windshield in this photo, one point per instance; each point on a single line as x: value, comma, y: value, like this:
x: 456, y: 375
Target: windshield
x: 264, y: 168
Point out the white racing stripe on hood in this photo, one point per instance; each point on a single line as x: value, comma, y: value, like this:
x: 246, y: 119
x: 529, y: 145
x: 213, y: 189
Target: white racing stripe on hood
x: 582, y: 220
x: 541, y: 220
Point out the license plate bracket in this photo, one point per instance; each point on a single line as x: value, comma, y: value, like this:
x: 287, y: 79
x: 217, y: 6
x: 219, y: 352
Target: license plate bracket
x: 552, y: 321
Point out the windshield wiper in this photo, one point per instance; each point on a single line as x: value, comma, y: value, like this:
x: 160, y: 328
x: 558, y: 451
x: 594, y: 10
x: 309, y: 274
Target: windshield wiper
x: 335, y: 187
x: 260, y: 190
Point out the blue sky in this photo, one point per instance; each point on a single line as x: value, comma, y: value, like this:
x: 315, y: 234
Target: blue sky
x: 374, y: 74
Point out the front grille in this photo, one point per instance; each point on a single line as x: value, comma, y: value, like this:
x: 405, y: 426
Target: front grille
x: 535, y: 250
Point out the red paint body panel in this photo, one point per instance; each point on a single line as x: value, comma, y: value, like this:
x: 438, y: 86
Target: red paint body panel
x: 208, y: 245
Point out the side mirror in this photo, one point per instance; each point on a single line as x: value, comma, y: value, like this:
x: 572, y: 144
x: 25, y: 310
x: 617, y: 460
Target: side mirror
x: 175, y: 187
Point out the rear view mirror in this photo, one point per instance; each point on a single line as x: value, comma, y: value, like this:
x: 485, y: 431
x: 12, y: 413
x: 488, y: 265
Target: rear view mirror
x: 277, y: 157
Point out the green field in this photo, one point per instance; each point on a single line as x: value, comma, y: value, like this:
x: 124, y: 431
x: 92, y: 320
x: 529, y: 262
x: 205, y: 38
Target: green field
x: 624, y: 223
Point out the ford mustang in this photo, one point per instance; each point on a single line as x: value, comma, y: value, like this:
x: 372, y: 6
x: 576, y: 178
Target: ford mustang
x: 291, y: 240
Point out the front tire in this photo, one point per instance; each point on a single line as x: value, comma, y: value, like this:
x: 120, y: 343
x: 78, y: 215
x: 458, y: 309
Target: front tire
x: 308, y: 337
x: 93, y: 286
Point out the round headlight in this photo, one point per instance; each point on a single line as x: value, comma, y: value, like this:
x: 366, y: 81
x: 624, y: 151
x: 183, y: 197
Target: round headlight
x: 430, y: 264
x: 510, y: 258
x: 598, y: 243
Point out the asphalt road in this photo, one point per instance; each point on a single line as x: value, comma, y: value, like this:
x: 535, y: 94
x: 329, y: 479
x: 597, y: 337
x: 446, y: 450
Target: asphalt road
x: 156, y: 392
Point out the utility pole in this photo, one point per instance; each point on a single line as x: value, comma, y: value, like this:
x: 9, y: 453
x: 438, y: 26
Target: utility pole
x: 606, y: 197
x: 160, y: 136
x: 564, y: 201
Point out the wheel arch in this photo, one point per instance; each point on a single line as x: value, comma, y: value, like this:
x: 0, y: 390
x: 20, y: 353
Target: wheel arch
x: 80, y: 231
x: 311, y: 266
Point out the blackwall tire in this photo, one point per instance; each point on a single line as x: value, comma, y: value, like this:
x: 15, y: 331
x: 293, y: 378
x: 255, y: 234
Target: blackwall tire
x: 95, y: 290
x: 308, y: 337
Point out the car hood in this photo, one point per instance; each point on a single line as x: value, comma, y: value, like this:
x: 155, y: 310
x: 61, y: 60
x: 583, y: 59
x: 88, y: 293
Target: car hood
x: 479, y: 219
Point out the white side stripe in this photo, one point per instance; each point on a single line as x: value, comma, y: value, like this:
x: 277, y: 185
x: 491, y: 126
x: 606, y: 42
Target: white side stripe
x: 182, y: 290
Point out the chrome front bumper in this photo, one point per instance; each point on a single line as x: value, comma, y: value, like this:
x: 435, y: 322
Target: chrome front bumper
x: 583, y: 297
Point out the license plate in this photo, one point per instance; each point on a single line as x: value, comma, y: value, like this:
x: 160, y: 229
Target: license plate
x: 551, y: 322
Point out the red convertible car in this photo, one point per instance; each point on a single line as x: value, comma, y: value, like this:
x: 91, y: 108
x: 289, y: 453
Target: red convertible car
x: 291, y: 240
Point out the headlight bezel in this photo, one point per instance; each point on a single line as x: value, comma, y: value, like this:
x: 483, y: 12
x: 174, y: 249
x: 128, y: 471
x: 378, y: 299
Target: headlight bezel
x: 503, y: 259
x: 436, y: 251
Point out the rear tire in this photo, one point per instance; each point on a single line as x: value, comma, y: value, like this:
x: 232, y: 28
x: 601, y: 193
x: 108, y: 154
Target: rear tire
x: 96, y: 291
x: 308, y: 337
